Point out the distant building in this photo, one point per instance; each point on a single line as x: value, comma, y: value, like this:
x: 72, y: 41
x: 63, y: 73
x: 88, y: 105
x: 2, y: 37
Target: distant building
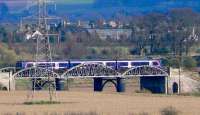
x: 113, y: 24
x: 83, y: 24
x: 111, y: 33
x: 66, y: 23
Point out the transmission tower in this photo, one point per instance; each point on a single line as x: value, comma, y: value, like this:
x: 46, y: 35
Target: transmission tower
x: 41, y: 34
x: 43, y: 52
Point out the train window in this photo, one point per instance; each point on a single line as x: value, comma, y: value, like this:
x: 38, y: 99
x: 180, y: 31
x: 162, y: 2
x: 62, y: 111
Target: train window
x: 46, y: 65
x: 19, y: 64
x: 139, y: 63
x: 63, y: 65
x: 123, y: 64
x: 75, y: 64
x: 29, y: 65
x: 155, y: 63
x: 51, y: 65
x: 110, y: 64
x: 100, y: 62
x: 135, y: 63
x: 144, y: 63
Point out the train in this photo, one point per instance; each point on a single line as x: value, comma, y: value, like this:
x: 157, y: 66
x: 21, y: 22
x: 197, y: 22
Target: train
x: 65, y: 65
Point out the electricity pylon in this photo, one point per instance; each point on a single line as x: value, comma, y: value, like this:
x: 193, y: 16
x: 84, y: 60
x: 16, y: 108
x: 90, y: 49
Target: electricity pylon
x: 41, y: 34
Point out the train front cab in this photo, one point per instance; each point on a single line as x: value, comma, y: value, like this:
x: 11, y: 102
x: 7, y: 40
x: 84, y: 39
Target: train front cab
x: 20, y: 65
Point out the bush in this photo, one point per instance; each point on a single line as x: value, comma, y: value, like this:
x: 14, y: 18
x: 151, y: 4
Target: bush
x: 195, y: 94
x: 41, y: 102
x: 162, y: 51
x: 54, y: 113
x: 169, y: 111
x: 3, y: 88
x: 189, y: 62
x: 165, y: 61
x: 170, y: 62
x: 143, y: 91
x: 174, y: 62
x: 135, y: 51
x: 80, y: 113
x: 198, y: 51
x: 142, y: 113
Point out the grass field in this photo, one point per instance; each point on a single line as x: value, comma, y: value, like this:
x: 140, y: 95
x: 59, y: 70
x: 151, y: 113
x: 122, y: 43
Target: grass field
x: 105, y: 103
x: 81, y: 100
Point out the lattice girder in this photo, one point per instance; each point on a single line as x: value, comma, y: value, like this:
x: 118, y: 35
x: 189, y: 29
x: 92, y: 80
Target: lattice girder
x: 36, y: 72
x: 145, y: 71
x: 90, y: 70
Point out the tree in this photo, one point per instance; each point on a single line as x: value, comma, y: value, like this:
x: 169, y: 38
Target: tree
x: 189, y: 62
x: 7, y: 56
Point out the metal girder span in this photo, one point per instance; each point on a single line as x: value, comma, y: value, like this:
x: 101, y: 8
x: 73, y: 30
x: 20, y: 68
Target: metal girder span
x: 36, y: 72
x: 145, y: 71
x: 90, y: 70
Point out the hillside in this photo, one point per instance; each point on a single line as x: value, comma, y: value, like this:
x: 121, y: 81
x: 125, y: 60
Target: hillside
x: 84, y: 9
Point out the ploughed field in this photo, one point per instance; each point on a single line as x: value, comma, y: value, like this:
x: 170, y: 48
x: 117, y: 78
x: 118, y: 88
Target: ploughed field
x: 106, y: 103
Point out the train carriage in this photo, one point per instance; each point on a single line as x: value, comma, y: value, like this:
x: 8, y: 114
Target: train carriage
x: 120, y: 65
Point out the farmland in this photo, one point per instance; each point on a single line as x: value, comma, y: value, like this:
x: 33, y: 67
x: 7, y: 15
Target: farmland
x: 106, y: 103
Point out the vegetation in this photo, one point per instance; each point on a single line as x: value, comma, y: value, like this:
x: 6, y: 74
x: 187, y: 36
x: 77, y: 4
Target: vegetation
x: 195, y: 94
x: 143, y: 91
x: 56, y: 113
x: 2, y: 87
x: 41, y: 102
x: 165, y: 111
x: 167, y: 35
x: 169, y: 111
x: 23, y: 84
x: 189, y: 62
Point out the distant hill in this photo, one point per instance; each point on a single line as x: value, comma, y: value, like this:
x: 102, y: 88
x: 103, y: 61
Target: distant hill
x: 84, y: 9
x: 107, y: 8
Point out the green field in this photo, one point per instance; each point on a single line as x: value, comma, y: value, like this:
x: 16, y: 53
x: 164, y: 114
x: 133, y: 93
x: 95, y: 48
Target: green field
x: 75, y: 1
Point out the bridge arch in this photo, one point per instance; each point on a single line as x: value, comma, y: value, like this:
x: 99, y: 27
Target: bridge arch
x: 175, y: 88
x: 109, y: 81
x: 35, y: 72
x: 151, y: 78
x: 145, y: 71
x: 90, y: 70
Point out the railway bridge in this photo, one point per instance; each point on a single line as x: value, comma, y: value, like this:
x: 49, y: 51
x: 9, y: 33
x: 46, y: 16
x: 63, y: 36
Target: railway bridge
x: 151, y: 77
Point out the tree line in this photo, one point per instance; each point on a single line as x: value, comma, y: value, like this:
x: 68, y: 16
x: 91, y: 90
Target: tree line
x: 173, y: 33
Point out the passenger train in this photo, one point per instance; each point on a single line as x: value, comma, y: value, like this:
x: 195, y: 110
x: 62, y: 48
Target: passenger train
x: 64, y: 65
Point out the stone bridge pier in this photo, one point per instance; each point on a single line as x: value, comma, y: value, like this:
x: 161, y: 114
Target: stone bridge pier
x: 119, y: 83
x: 7, y: 81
